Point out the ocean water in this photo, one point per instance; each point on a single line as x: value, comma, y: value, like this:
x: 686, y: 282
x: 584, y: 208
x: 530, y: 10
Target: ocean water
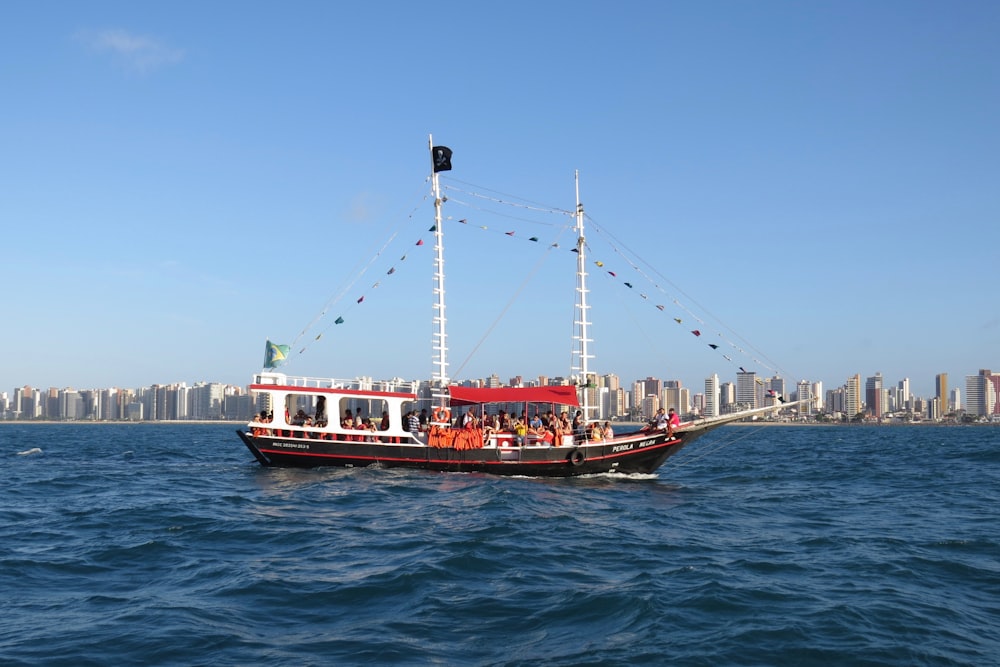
x: 141, y: 544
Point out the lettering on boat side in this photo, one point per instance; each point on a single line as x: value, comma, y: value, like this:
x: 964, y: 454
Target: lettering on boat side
x: 292, y: 445
x: 632, y: 445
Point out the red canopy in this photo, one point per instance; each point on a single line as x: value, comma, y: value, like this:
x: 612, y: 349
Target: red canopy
x: 561, y: 394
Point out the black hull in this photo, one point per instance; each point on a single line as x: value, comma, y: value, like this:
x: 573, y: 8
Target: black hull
x: 638, y: 453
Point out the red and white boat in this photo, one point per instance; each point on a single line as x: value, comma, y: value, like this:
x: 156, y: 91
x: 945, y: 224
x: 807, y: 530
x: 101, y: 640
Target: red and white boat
x: 310, y: 422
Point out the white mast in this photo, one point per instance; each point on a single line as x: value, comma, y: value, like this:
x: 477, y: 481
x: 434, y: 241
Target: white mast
x: 581, y: 324
x: 440, y: 375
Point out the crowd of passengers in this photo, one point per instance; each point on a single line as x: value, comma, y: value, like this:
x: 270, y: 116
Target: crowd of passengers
x: 543, y: 429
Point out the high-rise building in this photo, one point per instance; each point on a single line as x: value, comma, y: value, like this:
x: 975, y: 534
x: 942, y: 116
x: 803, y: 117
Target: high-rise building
x: 874, y: 403
x: 678, y: 398
x: 982, y: 392
x: 955, y: 400
x: 804, y: 389
x: 650, y: 385
x: 941, y: 385
x: 712, y: 396
x: 746, y: 390
x: 852, y: 396
x: 727, y: 397
x: 777, y: 385
x: 904, y: 393
x: 649, y: 405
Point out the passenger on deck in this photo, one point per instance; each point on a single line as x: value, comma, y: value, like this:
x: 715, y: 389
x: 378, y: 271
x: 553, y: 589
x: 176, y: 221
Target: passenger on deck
x: 673, y: 422
x: 520, y: 432
x: 557, y: 431
x: 384, y: 425
x: 536, y: 422
x: 412, y: 422
x: 594, y: 431
x: 608, y: 433
x: 423, y: 419
x: 658, y: 422
x: 491, y: 424
x: 320, y: 418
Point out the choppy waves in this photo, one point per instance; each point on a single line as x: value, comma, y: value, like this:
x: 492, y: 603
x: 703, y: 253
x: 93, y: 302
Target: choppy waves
x: 139, y: 544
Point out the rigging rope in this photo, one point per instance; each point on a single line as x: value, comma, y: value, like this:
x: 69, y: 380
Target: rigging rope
x: 617, y: 247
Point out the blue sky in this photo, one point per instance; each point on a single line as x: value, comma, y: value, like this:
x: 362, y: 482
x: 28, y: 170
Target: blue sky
x: 817, y: 182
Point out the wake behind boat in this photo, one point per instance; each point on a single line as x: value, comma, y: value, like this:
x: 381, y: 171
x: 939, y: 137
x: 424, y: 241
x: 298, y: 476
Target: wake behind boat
x: 545, y: 431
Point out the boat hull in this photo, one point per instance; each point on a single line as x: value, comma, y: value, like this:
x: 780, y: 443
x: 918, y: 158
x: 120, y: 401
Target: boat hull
x: 632, y: 454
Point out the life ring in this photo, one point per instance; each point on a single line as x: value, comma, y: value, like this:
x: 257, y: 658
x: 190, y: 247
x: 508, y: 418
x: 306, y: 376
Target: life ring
x: 441, y: 415
x: 576, y: 457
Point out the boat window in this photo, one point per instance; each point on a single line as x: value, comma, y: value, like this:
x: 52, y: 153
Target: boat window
x: 370, y: 409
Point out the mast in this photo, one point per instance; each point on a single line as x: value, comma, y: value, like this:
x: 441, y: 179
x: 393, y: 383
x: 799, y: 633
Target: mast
x: 581, y: 323
x: 439, y: 383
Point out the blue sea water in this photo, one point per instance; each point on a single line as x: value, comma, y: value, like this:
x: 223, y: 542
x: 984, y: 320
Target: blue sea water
x: 143, y: 544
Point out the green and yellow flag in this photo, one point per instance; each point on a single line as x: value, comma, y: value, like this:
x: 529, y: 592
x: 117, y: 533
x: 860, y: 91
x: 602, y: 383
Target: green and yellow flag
x: 274, y: 354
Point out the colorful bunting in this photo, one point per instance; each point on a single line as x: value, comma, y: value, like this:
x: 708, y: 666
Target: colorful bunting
x: 445, y: 155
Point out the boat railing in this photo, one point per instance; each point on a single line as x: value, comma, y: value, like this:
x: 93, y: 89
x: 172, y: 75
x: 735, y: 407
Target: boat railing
x: 355, y: 384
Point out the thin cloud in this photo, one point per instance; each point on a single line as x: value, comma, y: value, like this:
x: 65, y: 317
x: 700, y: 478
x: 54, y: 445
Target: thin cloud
x: 137, y: 53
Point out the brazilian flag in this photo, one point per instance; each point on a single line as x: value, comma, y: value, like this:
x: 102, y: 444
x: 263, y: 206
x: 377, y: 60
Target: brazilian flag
x: 274, y: 354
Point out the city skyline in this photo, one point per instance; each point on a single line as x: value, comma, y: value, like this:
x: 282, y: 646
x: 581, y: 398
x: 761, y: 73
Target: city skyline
x: 697, y: 398
x: 812, y: 187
